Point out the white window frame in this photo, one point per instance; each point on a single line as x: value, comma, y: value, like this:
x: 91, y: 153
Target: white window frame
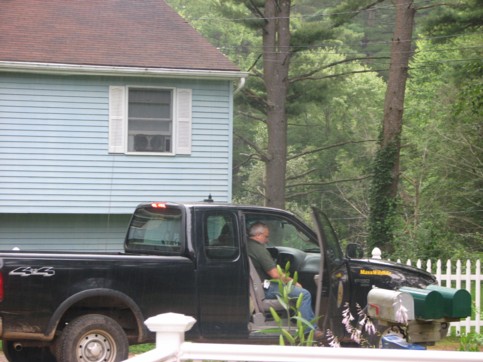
x: 181, y: 121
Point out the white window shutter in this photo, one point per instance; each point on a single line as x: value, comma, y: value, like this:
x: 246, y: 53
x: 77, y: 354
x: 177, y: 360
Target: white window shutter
x: 183, y: 121
x: 117, y: 119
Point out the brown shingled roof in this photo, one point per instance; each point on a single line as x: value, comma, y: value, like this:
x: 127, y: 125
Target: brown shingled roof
x: 127, y: 33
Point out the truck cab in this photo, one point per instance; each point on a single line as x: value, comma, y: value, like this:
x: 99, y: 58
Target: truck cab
x: 215, y: 240
x: 228, y: 299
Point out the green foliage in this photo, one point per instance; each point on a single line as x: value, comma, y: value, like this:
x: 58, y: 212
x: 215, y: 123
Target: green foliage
x: 458, y: 17
x: 441, y: 209
x: 471, y: 342
x: 383, y: 204
x: 291, y: 334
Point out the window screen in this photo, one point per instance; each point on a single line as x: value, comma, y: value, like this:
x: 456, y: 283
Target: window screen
x: 150, y: 120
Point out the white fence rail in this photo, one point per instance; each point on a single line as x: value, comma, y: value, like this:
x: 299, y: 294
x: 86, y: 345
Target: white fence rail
x: 171, y: 347
x: 466, y: 275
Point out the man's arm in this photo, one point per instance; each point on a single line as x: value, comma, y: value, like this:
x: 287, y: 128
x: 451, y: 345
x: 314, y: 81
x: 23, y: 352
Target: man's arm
x: 274, y: 274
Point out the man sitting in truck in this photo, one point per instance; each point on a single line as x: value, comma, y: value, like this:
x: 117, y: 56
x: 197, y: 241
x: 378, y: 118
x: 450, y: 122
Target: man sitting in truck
x: 266, y: 267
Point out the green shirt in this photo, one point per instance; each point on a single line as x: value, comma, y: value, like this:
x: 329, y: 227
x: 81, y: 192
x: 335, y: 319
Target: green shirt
x: 261, y: 258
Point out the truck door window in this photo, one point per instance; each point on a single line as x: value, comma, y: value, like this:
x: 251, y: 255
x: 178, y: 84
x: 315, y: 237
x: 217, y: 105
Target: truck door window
x: 284, y: 232
x: 334, y: 253
x: 156, y: 230
x: 221, y: 240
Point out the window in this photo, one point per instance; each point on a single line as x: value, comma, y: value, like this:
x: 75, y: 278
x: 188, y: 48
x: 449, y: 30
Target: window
x: 283, y: 232
x: 156, y: 230
x: 149, y: 120
x: 221, y: 241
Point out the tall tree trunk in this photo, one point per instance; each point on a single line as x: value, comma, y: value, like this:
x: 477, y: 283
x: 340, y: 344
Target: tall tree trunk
x: 396, y: 85
x: 386, y: 165
x: 276, y: 61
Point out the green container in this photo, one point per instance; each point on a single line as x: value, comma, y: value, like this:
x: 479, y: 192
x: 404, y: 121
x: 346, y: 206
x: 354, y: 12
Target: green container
x: 457, y: 302
x: 428, y: 304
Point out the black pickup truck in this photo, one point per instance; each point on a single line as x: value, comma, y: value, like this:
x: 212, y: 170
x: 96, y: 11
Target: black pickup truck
x: 186, y: 258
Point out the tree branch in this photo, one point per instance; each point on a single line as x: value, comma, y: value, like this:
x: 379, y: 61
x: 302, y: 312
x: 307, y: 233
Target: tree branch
x: 318, y: 149
x: 344, y: 74
x: 252, y: 116
x: 262, y: 154
x: 254, y: 10
x: 259, y: 192
x: 301, y: 175
x: 258, y: 102
x: 329, y: 182
x: 255, y: 63
x: 431, y: 6
x: 333, y: 64
x: 247, y: 160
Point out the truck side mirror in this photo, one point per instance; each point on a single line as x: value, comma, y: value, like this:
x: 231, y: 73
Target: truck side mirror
x: 354, y: 251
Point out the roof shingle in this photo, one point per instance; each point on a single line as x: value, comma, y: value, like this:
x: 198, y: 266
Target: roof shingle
x: 124, y: 33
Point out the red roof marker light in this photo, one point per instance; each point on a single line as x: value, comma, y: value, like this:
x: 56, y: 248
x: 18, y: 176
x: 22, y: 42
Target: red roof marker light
x: 159, y: 205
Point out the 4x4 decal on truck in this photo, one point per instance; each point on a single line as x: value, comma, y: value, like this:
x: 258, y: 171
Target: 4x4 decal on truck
x: 27, y: 271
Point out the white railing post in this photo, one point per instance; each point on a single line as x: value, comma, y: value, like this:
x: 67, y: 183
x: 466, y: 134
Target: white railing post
x: 169, y: 328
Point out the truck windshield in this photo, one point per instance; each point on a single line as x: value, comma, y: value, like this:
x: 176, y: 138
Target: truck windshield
x: 155, y: 229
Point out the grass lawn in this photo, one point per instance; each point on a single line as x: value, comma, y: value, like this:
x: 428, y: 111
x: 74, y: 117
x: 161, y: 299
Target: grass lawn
x: 141, y: 348
x: 449, y: 344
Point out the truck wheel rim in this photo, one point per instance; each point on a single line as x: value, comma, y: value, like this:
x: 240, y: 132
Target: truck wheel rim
x: 96, y: 347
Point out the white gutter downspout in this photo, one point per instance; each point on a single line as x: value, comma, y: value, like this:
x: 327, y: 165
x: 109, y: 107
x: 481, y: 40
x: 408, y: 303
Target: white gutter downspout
x: 241, y: 84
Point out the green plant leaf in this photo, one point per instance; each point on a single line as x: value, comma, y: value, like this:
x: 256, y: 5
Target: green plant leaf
x: 283, y: 302
x: 310, y: 338
x: 275, y: 315
x: 288, y: 337
x: 299, y: 301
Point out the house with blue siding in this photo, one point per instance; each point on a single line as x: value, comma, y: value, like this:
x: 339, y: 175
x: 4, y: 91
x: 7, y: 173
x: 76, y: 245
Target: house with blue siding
x: 105, y: 105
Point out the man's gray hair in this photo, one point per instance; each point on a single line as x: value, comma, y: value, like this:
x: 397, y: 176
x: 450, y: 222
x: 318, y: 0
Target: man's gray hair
x: 257, y: 228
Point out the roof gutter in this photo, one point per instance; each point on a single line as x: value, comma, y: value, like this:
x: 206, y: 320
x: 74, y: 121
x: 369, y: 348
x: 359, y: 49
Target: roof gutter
x: 79, y: 69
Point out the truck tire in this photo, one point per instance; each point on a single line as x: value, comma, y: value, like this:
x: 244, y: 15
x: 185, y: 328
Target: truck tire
x: 92, y: 338
x: 26, y: 354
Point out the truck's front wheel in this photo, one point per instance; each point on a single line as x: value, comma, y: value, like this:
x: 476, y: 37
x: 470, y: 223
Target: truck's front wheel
x: 92, y: 338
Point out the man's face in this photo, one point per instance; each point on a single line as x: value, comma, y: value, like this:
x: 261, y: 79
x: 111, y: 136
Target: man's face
x: 263, y: 237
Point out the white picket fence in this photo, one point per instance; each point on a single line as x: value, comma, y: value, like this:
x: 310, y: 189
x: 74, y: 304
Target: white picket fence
x: 453, y: 275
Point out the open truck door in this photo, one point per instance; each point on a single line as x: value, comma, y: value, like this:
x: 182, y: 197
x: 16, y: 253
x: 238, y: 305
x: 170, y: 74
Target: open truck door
x: 334, y: 294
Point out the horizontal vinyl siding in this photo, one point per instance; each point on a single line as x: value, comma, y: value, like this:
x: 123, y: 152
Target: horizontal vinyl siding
x: 54, y: 148
x: 63, y: 232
